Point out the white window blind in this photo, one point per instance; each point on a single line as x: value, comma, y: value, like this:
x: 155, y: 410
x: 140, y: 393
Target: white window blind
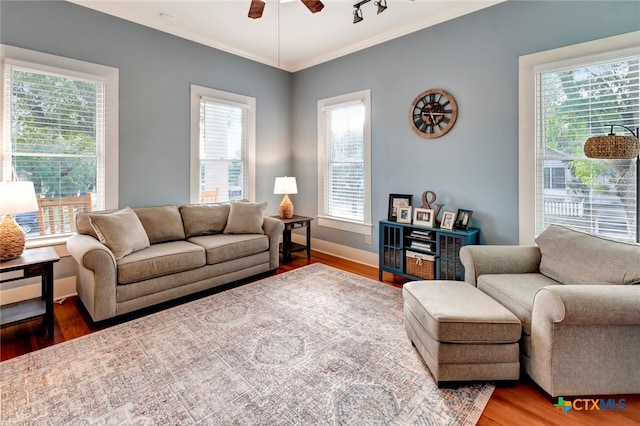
x: 54, y: 136
x: 575, y: 102
x: 223, y: 151
x: 344, y: 161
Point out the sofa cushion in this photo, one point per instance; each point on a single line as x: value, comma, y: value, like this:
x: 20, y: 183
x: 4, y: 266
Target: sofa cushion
x: 162, y: 223
x: 574, y: 257
x: 515, y: 292
x: 245, y: 218
x: 221, y: 248
x: 121, y: 231
x: 160, y: 259
x: 204, y: 219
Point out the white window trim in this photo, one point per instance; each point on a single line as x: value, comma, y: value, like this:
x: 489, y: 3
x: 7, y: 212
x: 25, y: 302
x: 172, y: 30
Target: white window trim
x: 528, y: 66
x: 198, y: 92
x: 364, y: 228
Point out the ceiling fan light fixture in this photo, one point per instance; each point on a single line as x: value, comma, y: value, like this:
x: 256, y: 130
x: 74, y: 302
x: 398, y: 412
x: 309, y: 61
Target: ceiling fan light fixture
x: 382, y: 6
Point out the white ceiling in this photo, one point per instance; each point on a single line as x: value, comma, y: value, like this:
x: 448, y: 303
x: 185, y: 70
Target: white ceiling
x: 288, y: 35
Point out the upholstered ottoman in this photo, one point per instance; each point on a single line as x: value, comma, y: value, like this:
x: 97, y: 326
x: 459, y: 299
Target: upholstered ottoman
x: 461, y: 333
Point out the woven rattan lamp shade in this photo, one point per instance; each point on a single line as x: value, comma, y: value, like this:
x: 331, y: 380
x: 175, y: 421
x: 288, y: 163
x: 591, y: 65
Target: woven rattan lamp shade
x: 611, y: 147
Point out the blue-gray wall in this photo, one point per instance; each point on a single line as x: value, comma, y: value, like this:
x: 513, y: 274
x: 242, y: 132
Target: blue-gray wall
x: 474, y: 57
x: 156, y: 70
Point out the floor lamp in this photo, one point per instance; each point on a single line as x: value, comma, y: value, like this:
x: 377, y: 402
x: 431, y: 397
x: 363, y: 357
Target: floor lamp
x: 612, y: 147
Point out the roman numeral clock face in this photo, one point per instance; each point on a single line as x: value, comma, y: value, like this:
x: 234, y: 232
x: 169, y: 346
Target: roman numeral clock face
x: 433, y: 113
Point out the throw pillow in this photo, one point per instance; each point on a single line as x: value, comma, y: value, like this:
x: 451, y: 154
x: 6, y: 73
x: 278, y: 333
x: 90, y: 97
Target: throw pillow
x: 245, y: 218
x: 204, y: 220
x: 121, y: 231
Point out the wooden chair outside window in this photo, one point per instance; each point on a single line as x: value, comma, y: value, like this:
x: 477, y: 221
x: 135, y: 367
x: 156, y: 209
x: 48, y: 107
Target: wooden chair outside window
x: 57, y: 215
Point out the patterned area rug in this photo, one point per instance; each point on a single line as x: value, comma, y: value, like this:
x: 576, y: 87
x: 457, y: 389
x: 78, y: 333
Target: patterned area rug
x: 314, y: 346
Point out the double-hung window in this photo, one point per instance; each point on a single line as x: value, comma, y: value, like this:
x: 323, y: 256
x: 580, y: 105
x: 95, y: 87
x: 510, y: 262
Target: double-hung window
x: 222, y: 146
x: 59, y: 127
x: 344, y: 162
x: 576, y: 98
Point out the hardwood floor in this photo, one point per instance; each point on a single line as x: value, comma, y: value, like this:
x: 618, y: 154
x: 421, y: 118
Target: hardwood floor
x: 523, y: 404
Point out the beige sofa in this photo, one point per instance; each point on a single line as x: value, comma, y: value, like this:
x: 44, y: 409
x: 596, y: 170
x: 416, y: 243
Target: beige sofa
x: 577, y: 298
x: 129, y: 259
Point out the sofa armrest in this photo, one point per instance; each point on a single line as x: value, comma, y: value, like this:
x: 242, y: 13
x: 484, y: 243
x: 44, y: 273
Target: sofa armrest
x: 585, y: 339
x: 97, y: 275
x: 588, y: 304
x: 479, y: 260
x: 273, y: 228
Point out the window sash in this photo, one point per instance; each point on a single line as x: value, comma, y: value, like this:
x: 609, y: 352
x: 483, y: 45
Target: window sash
x: 573, y: 102
x: 54, y: 119
x: 344, y: 168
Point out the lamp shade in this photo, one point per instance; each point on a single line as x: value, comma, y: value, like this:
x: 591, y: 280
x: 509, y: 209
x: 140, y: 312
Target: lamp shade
x: 285, y: 185
x: 611, y: 147
x: 17, y: 197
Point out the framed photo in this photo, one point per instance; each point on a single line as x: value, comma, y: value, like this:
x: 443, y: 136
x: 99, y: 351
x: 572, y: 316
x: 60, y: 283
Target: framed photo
x: 396, y: 200
x: 448, y: 219
x: 463, y: 219
x: 404, y: 214
x: 423, y: 217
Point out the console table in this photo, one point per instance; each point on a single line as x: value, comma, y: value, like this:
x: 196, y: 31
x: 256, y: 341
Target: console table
x: 37, y: 262
x: 287, y: 247
x: 440, y: 246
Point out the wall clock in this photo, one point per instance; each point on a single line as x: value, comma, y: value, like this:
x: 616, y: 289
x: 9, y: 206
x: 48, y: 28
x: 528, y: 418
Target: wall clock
x: 433, y: 113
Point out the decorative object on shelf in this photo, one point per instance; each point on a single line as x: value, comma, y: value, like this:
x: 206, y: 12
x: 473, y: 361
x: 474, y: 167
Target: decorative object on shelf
x: 448, y: 219
x: 433, y: 113
x: 423, y: 217
x: 463, y: 219
x: 429, y: 198
x: 396, y: 200
x: 404, y: 214
x: 613, y: 146
x: 285, y: 185
x: 15, y: 197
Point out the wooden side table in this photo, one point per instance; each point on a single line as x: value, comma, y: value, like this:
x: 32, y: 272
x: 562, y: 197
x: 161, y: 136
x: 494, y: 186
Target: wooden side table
x: 287, y: 247
x: 37, y: 262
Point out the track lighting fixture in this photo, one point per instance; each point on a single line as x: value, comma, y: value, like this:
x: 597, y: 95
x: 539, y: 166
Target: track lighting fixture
x: 357, y: 13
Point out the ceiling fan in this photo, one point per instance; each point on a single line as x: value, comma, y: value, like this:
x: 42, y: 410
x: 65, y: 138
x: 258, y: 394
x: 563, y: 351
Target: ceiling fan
x: 257, y: 7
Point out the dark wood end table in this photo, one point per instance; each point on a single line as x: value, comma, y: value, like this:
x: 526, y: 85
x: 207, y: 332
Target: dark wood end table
x: 37, y: 262
x: 287, y: 247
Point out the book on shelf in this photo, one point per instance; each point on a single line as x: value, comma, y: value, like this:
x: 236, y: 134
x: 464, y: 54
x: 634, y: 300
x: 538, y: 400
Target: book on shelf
x: 421, y: 246
x: 421, y: 234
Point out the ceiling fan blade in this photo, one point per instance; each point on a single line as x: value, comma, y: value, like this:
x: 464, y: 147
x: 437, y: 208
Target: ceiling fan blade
x: 313, y: 5
x: 256, y: 9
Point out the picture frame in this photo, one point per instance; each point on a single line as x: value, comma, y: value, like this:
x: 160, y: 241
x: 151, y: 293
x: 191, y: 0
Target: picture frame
x: 404, y: 214
x: 448, y: 219
x: 396, y: 200
x: 423, y: 217
x: 463, y: 219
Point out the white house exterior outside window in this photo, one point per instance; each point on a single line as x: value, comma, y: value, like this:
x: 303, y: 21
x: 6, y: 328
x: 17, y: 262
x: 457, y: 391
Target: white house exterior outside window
x: 344, y: 162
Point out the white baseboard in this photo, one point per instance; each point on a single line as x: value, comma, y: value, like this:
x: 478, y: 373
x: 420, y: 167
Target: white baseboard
x: 62, y: 287
x: 356, y: 255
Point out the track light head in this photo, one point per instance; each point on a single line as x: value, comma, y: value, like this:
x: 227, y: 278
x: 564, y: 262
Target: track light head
x: 357, y: 15
x: 382, y: 6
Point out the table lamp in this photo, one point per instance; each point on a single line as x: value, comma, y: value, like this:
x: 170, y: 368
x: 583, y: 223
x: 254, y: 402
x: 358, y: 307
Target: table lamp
x: 15, y: 197
x: 285, y: 185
